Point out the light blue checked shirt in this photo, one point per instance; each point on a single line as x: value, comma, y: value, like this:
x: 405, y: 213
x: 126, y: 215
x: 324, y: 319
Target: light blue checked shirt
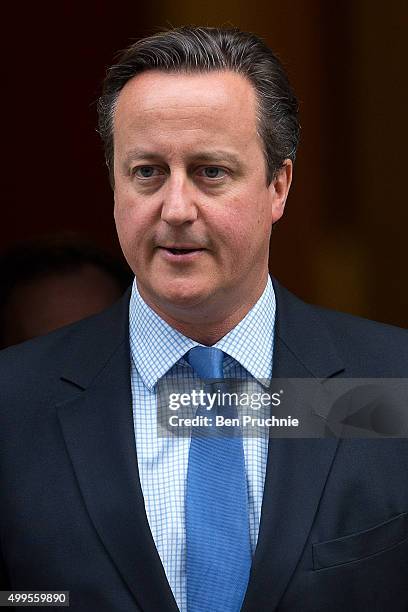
x: 157, y: 351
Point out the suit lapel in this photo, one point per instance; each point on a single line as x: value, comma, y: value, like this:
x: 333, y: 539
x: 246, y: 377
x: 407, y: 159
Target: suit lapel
x: 297, y: 469
x: 97, y: 426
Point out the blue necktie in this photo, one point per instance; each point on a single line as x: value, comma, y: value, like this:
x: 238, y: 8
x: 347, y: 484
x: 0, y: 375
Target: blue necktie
x: 217, y: 522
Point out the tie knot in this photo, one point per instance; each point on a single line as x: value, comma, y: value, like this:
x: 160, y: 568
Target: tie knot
x: 206, y: 361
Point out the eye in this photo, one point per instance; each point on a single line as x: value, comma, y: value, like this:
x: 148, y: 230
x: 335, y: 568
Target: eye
x: 212, y: 172
x: 146, y: 172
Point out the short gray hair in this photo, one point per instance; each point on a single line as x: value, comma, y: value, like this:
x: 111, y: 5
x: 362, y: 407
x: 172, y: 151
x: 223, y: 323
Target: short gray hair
x: 202, y: 49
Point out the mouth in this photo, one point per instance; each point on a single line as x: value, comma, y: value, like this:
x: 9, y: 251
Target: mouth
x: 181, y: 251
x: 180, y: 254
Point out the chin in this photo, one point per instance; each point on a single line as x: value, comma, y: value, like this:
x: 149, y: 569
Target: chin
x: 182, y: 295
x: 183, y: 299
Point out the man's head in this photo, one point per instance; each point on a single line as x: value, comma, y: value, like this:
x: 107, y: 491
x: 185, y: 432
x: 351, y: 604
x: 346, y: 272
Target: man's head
x: 199, y: 50
x: 52, y: 281
x: 200, y: 129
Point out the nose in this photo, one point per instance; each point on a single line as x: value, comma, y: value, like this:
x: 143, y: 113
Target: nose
x: 178, y: 205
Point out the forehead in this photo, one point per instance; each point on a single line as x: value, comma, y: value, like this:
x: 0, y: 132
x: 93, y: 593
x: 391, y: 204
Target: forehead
x: 214, y: 106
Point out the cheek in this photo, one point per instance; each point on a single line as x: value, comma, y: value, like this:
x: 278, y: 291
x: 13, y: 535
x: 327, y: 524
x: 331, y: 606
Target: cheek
x: 132, y: 216
x: 126, y: 205
x: 244, y: 222
x: 134, y: 232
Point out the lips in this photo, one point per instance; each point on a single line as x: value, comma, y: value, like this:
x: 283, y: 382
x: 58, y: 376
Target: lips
x: 180, y: 254
x: 181, y: 251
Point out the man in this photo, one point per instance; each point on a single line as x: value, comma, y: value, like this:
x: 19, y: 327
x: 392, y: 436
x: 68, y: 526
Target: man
x: 52, y: 281
x: 200, y: 128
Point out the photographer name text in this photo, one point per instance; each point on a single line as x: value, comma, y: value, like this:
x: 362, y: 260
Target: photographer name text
x: 221, y: 421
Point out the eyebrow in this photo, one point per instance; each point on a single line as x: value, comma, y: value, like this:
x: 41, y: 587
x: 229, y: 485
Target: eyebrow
x: 216, y: 156
x: 205, y: 156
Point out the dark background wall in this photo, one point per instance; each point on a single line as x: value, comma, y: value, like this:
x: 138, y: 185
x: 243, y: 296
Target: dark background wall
x: 342, y: 243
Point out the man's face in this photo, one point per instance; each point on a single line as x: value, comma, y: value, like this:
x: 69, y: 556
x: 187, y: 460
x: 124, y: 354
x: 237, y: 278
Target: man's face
x: 192, y: 206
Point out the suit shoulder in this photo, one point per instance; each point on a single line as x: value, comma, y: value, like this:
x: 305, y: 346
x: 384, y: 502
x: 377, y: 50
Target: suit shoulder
x: 41, y: 359
x: 366, y: 348
x: 344, y: 321
x: 365, y: 338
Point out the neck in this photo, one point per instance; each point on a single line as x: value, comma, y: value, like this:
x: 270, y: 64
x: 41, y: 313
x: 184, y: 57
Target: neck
x: 202, y: 325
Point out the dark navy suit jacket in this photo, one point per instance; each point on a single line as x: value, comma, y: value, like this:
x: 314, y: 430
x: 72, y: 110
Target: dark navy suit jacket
x: 334, y: 526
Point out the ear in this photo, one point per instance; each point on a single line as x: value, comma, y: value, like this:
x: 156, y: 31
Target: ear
x: 279, y: 189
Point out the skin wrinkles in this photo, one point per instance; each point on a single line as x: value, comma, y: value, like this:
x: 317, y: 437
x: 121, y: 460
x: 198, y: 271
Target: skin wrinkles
x: 204, y: 156
x: 230, y: 216
x: 194, y: 163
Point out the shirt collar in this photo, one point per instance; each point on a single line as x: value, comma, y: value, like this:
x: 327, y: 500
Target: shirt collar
x: 156, y: 346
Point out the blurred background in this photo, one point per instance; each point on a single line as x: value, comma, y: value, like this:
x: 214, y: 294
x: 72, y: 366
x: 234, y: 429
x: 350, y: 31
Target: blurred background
x: 342, y: 242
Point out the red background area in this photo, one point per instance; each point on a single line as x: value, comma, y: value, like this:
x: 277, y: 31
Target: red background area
x: 342, y: 242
